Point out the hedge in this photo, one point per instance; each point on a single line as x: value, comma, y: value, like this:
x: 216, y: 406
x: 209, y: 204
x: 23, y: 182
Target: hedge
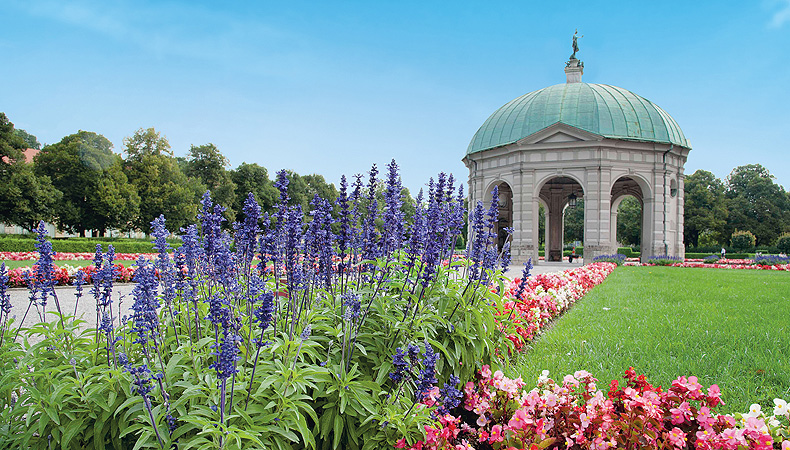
x: 82, y: 245
x: 728, y: 255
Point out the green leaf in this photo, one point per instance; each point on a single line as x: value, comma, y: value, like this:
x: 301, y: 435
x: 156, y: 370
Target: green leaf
x: 338, y: 431
x: 71, y: 430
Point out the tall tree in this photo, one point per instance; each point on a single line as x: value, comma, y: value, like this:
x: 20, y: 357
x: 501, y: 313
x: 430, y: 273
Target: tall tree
x: 253, y: 178
x: 25, y: 198
x: 629, y: 222
x: 207, y: 164
x: 75, y: 165
x: 145, y: 142
x: 162, y: 187
x: 114, y: 200
x: 756, y: 203
x: 29, y: 140
x: 705, y: 208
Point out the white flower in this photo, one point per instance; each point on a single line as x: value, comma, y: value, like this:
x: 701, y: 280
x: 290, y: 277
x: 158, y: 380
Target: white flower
x: 781, y: 408
x: 544, y: 377
x: 754, y: 410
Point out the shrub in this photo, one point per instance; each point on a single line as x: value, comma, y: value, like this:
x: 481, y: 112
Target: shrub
x: 617, y: 258
x: 771, y: 260
x: 783, y: 243
x: 664, y: 260
x: 627, y: 251
x: 332, y: 341
x: 743, y: 241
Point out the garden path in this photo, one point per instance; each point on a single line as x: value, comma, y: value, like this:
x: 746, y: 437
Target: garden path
x: 86, y: 309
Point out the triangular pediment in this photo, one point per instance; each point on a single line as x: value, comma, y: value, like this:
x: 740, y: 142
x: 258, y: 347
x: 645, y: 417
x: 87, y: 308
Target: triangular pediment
x: 559, y: 133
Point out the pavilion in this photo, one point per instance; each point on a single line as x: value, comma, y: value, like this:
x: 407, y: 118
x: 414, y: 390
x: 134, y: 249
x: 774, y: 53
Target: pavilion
x: 579, y: 140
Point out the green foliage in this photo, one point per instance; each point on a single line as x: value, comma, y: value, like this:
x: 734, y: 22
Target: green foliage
x: 629, y: 221
x: 146, y: 142
x: 207, y: 164
x: 705, y: 209
x: 253, y: 178
x: 329, y: 391
x: 574, y: 222
x: 14, y: 243
x: 161, y: 185
x: 757, y: 203
x: 783, y: 243
x: 11, y: 145
x: 743, y: 241
x: 26, y: 198
x: 29, y: 140
x: 627, y: 251
x: 96, y: 193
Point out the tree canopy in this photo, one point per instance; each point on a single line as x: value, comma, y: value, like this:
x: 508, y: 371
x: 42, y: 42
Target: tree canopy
x: 25, y: 198
x: 705, y: 207
x: 756, y: 203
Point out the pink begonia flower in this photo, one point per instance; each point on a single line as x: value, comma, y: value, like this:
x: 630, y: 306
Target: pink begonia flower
x: 569, y: 379
x: 401, y: 443
x: 431, y: 396
x: 585, y: 420
x: 519, y: 420
x: 430, y: 434
x: 496, y: 434
x: 731, y: 438
x: 755, y: 424
x: 704, y: 418
x: 679, y: 413
x: 786, y: 445
x: 581, y: 374
x: 677, y: 437
x: 485, y: 372
x: 464, y: 445
x: 714, y: 395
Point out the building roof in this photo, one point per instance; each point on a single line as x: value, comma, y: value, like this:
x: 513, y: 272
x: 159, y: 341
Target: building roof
x: 28, y: 154
x: 609, y: 111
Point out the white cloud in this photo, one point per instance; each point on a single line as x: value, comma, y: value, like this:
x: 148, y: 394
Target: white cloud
x: 172, y: 29
x: 782, y: 16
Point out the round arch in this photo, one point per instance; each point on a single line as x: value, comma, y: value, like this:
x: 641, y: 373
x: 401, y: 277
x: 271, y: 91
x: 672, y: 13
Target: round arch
x: 624, y: 186
x: 556, y: 192
x: 505, y: 216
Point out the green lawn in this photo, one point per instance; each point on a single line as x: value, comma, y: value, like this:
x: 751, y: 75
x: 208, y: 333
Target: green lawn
x: 729, y: 327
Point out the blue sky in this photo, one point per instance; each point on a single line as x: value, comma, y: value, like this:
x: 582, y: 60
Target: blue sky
x: 333, y: 87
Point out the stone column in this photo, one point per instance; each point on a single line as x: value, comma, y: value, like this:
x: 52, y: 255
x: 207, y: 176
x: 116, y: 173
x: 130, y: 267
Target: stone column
x: 597, y: 212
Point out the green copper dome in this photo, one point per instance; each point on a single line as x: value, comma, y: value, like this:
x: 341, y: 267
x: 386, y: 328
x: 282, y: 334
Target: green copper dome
x: 609, y: 111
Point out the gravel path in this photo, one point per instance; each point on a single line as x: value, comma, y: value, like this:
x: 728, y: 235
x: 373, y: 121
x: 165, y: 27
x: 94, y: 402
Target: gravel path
x: 122, y: 298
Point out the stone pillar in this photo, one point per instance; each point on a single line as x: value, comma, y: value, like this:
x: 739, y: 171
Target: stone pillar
x: 613, y: 225
x: 597, y: 212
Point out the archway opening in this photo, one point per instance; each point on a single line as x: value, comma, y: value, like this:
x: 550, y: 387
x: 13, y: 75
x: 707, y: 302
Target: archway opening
x: 561, y: 196
x: 628, y: 215
x: 505, y: 215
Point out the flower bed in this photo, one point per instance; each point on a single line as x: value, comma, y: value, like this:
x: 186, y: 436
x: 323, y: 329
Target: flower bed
x: 66, y: 256
x: 532, y: 302
x: 499, y: 413
x: 66, y: 274
x: 746, y: 264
